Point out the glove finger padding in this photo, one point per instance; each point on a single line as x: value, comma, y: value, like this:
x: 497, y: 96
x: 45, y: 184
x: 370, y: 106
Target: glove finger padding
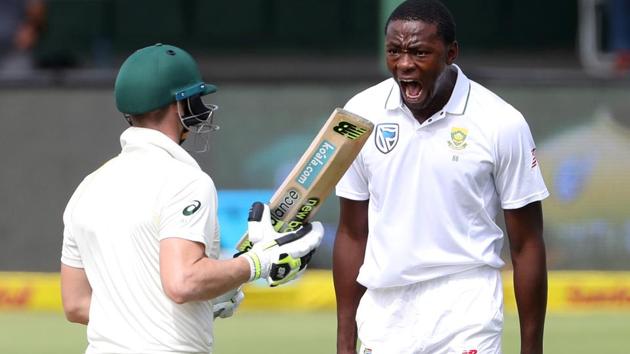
x: 259, y: 226
x: 310, y: 236
x: 279, y: 257
x: 296, y: 254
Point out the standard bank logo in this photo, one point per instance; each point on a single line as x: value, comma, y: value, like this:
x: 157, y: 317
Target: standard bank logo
x: 386, y: 137
x: 315, y: 164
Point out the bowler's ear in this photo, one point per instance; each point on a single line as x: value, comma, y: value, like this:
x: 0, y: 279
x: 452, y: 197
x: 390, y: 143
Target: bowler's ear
x: 452, y: 52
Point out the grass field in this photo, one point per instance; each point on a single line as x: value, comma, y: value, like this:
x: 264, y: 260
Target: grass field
x: 310, y: 333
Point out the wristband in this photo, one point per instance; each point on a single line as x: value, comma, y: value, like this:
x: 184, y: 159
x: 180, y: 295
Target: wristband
x: 254, y: 265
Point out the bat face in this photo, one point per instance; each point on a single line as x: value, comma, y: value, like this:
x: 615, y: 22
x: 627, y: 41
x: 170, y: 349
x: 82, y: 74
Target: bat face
x: 317, y: 172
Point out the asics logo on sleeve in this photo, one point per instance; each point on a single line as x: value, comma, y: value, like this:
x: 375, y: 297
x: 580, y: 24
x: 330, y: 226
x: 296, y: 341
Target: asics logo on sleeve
x: 192, y: 208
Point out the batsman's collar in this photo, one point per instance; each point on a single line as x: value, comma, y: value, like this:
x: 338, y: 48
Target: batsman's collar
x: 135, y: 137
x: 455, y: 105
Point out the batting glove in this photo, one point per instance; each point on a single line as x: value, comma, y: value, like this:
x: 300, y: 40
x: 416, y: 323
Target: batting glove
x: 279, y: 257
x: 224, y: 305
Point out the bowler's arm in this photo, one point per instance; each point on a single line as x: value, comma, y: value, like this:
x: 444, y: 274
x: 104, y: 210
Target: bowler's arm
x: 527, y: 249
x: 76, y: 294
x: 348, y: 254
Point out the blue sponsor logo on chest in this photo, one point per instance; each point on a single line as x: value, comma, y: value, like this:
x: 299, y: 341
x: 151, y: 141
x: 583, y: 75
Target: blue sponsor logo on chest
x: 386, y: 137
x: 315, y: 164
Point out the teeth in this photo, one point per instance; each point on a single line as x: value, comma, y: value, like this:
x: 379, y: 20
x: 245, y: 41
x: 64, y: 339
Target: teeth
x: 412, y: 88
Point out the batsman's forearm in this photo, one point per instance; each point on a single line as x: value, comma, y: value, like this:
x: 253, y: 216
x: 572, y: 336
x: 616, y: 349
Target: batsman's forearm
x: 211, y: 278
x: 205, y: 279
x: 347, y: 259
x: 530, y: 287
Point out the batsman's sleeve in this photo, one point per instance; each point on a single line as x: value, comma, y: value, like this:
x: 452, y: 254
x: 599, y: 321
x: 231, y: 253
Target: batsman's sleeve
x: 70, y: 255
x: 518, y: 179
x: 189, y: 211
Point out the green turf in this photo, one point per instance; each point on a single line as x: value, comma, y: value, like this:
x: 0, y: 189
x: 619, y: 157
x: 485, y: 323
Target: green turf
x: 39, y: 333
x: 312, y: 333
x: 601, y: 333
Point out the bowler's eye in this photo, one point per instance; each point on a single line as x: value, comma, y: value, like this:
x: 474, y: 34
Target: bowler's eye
x: 393, y: 51
x: 419, y: 52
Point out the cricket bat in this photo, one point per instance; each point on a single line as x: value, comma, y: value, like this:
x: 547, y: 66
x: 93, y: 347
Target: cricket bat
x: 317, y: 172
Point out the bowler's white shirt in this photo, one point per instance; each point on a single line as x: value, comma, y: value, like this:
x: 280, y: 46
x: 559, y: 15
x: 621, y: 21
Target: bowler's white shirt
x: 434, y: 189
x: 113, y: 226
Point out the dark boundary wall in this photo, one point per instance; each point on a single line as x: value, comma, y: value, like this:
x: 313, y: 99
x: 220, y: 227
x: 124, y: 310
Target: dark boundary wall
x: 96, y: 32
x: 52, y: 138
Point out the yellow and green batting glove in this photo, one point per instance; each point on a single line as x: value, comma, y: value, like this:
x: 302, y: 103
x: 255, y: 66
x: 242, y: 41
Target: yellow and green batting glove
x: 279, y: 257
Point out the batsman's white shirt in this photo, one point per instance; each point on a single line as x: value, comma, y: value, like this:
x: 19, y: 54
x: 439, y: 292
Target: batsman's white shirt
x: 435, y: 188
x: 113, y: 226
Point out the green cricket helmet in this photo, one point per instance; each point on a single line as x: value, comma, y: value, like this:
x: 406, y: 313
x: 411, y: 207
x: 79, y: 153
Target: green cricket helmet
x: 156, y: 76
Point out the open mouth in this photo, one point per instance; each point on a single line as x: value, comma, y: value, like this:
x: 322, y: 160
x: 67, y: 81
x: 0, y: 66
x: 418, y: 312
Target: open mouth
x: 411, y: 89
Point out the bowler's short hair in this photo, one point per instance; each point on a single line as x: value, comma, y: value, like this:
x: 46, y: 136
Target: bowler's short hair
x: 429, y: 11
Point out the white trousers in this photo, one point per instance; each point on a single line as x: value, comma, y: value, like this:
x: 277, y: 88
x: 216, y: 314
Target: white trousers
x: 460, y: 313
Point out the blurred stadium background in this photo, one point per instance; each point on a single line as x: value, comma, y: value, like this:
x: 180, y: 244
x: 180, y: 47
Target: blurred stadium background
x: 281, y: 67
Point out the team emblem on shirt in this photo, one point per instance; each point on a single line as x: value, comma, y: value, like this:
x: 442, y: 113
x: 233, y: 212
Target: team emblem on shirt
x: 458, y: 138
x: 192, y: 208
x: 386, y: 137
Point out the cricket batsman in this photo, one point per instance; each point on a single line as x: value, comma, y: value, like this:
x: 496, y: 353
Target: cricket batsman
x: 139, y: 261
